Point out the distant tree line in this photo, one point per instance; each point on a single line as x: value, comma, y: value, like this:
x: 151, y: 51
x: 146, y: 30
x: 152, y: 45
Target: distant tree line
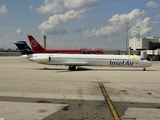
x: 9, y: 50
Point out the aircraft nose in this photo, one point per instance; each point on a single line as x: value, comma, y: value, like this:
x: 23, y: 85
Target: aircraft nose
x: 149, y: 64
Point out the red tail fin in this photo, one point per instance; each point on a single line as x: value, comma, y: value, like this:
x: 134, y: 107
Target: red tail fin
x: 35, y: 45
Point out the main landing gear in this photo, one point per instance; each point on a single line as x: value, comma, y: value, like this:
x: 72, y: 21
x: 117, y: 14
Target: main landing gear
x: 144, y: 69
x: 71, y: 68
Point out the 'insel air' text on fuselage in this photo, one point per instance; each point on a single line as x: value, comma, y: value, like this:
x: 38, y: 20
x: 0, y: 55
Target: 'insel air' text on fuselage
x: 123, y: 63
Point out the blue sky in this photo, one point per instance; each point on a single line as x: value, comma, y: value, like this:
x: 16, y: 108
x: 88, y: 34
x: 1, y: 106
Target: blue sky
x: 70, y: 24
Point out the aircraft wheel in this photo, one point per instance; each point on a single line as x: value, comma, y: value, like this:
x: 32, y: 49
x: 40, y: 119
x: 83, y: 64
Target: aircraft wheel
x: 144, y: 69
x: 74, y: 67
x: 71, y: 68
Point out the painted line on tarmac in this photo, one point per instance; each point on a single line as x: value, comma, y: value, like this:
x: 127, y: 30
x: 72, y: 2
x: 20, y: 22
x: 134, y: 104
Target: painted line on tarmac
x: 110, y: 104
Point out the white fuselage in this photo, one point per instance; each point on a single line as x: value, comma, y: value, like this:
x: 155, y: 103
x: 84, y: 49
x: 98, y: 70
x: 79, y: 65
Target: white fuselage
x: 91, y: 60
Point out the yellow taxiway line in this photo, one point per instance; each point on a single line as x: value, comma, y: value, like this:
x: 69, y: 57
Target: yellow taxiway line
x: 111, y: 106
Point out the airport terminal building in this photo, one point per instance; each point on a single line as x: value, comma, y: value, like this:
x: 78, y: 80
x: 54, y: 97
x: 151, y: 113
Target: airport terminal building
x: 150, y: 43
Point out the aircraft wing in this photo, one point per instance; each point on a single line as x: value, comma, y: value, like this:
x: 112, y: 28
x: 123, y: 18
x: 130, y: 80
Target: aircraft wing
x: 75, y: 63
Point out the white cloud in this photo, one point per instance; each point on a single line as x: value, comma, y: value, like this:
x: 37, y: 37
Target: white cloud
x: 54, y: 23
x: 50, y: 6
x: 83, y: 28
x: 145, y: 25
x: 31, y: 7
x: 57, y: 6
x: 80, y: 4
x: 152, y: 4
x: 117, y: 25
x: 3, y: 9
x: 19, y: 31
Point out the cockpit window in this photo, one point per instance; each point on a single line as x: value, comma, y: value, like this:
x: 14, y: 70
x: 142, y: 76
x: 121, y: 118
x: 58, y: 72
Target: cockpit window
x: 142, y: 58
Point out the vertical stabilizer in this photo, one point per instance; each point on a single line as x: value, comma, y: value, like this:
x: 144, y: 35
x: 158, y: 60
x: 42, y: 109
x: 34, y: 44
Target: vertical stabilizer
x: 35, y: 45
x: 23, y: 47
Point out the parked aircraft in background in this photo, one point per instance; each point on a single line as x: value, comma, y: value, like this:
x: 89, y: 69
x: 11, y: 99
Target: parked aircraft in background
x: 74, y: 60
x: 39, y: 49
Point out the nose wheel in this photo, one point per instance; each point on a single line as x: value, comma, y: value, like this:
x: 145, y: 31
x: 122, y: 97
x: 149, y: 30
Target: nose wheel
x: 144, y: 69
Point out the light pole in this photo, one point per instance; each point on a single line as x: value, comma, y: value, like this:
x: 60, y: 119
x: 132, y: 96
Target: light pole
x: 128, y: 33
x: 127, y: 37
x: 44, y: 37
x: 138, y: 27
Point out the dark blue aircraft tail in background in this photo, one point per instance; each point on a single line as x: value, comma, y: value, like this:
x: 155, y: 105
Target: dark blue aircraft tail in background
x: 23, y: 47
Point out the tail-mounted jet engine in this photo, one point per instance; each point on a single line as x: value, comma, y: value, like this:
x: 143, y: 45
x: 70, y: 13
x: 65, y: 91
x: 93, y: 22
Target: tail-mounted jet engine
x: 42, y: 59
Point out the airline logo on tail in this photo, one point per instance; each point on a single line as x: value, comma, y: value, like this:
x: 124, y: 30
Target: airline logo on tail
x: 33, y: 43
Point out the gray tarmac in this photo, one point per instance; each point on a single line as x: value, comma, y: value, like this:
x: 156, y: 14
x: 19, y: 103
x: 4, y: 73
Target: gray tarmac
x: 31, y: 91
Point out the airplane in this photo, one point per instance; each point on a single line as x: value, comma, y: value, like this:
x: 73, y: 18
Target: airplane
x: 39, y: 49
x: 74, y: 60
